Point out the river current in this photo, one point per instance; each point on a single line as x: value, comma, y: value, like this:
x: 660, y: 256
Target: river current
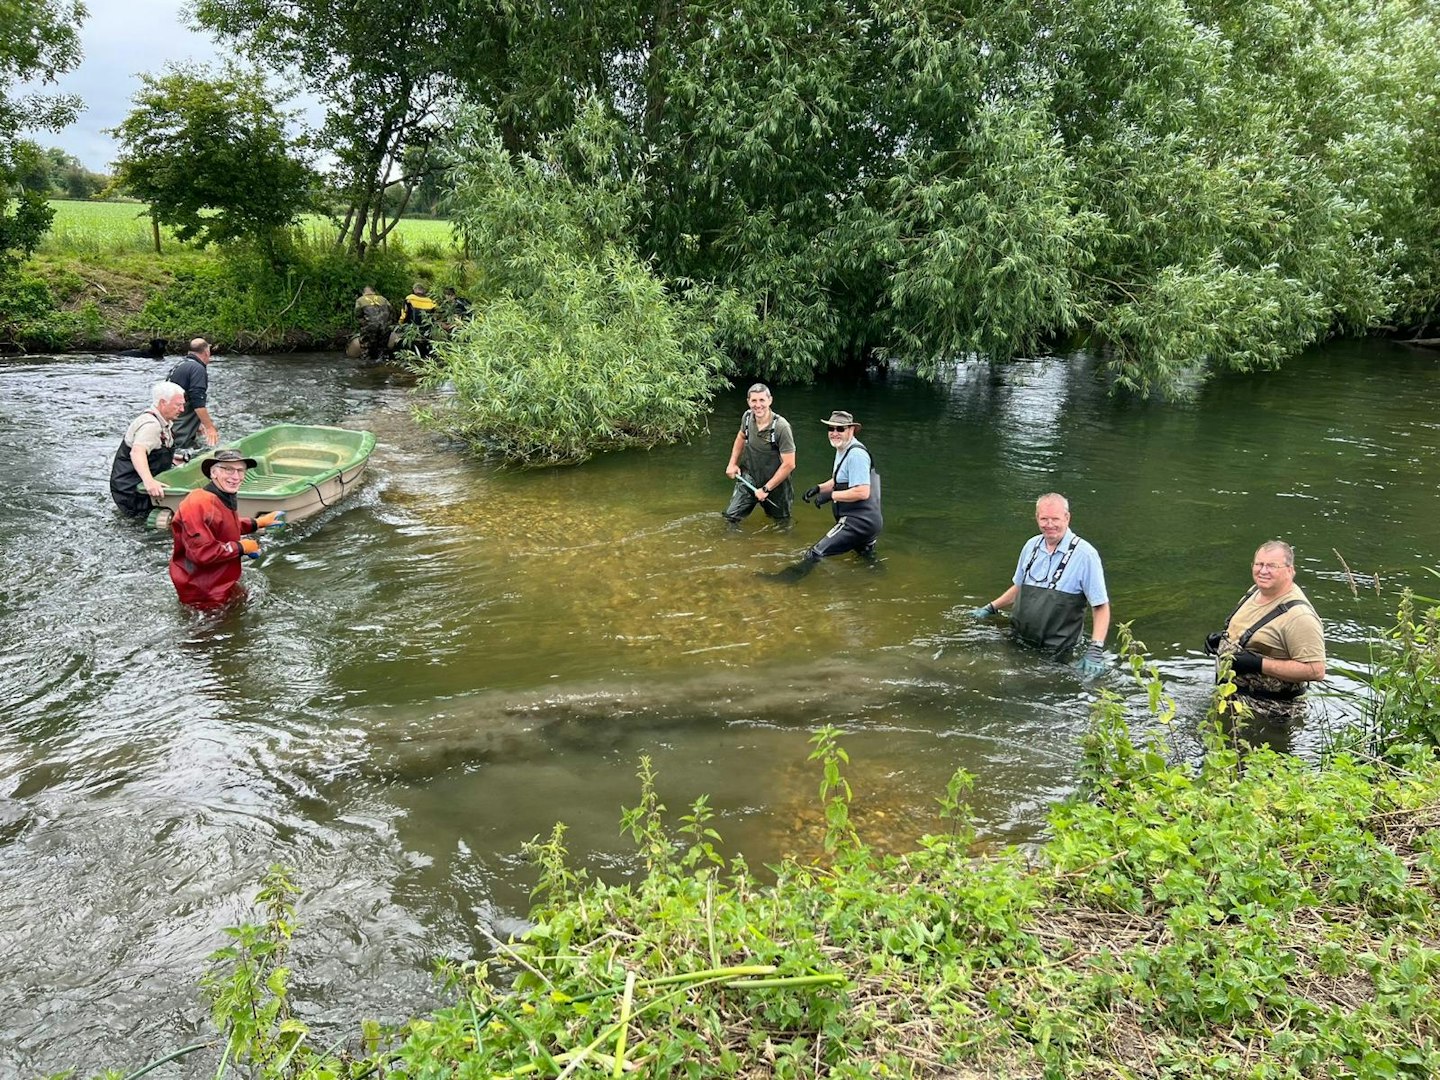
x: 436, y: 670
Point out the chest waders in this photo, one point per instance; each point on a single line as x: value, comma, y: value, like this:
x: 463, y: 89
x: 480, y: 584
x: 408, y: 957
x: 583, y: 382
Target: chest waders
x: 1044, y: 616
x: 125, y: 486
x: 758, y: 464
x: 1268, y: 694
x: 857, y: 524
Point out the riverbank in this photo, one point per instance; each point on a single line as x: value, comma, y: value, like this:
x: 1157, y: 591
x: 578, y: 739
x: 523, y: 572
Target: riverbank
x: 109, y: 301
x: 1252, y: 915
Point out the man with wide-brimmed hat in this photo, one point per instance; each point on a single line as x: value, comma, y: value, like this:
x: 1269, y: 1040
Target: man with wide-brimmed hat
x: 853, y: 492
x: 210, y: 535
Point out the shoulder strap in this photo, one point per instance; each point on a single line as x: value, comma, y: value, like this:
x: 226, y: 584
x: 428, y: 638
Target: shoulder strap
x: 1270, y: 616
x: 1059, y: 570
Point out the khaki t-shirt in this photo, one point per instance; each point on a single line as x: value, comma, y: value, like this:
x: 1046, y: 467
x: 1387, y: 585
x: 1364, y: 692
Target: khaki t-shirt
x: 146, y: 432
x: 1295, y: 635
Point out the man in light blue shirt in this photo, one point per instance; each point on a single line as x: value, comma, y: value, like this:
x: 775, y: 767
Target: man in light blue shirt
x: 853, y: 491
x: 1056, y: 577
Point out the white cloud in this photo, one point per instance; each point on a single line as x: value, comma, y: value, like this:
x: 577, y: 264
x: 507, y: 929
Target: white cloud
x: 120, y: 39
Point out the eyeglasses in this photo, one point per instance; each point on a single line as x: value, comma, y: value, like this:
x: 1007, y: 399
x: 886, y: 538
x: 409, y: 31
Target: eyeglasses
x: 1271, y: 566
x: 838, y: 430
x: 239, y: 469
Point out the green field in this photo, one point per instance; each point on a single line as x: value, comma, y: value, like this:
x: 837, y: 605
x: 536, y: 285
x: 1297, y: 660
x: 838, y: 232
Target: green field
x: 106, y: 228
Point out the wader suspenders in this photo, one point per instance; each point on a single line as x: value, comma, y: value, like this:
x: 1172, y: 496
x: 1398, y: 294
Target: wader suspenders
x: 853, y: 443
x: 1269, y: 617
x: 1059, y: 570
x: 745, y: 428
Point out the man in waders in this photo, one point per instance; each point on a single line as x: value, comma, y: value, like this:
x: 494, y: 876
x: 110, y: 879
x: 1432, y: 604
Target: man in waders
x: 193, y: 376
x: 210, y: 535
x: 853, y: 492
x: 377, y: 319
x: 147, y: 448
x: 1274, y: 638
x: 761, y: 461
x: 1057, y: 576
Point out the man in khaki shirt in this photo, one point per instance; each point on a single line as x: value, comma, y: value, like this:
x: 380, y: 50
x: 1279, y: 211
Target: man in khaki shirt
x: 1274, y: 638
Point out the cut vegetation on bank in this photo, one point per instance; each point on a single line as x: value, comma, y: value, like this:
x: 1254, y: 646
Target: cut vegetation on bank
x: 1250, y: 915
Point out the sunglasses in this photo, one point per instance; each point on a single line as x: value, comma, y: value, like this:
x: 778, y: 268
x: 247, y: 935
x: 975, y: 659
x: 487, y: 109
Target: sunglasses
x: 833, y: 430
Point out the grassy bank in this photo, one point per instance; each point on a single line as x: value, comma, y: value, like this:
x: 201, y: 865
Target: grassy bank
x: 1248, y: 915
x: 96, y: 284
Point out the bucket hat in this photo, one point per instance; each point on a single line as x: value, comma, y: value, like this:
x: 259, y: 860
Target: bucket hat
x: 841, y: 418
x: 226, y: 457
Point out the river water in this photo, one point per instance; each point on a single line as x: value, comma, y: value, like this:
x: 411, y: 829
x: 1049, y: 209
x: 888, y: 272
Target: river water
x: 438, y: 669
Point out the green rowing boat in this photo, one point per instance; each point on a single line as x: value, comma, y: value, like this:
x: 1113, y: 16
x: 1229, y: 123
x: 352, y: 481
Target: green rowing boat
x: 301, y: 469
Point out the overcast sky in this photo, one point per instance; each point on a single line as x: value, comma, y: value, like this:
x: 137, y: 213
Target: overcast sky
x: 121, y: 39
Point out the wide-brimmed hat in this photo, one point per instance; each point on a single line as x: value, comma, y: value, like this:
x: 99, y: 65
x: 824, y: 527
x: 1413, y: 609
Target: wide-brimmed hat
x: 840, y: 418
x: 226, y: 457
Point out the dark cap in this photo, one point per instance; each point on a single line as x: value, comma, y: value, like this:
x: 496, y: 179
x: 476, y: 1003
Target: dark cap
x: 226, y: 457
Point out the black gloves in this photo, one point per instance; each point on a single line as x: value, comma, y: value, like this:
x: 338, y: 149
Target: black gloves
x: 1245, y: 662
x: 811, y: 492
x: 821, y: 499
x: 1212, y: 643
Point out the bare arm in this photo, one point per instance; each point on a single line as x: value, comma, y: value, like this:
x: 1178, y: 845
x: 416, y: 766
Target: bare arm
x: 733, y: 469
x: 858, y: 493
x: 1100, y: 623
x: 207, y: 425
x: 1292, y: 670
x: 141, y: 461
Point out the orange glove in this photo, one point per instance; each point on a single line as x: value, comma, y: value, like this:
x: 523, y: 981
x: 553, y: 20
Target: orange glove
x: 250, y: 547
x: 270, y: 520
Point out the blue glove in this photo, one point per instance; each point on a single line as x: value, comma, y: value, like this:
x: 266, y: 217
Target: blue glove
x: 983, y: 612
x: 1245, y: 662
x: 1092, y: 661
x: 275, y: 519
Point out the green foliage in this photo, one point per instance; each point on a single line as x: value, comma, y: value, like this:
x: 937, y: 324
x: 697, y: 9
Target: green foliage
x: 30, y: 318
x: 52, y: 172
x: 835, y: 793
x: 1250, y: 914
x: 1402, y: 707
x: 274, y: 299
x: 210, y: 156
x: 1190, y: 184
x: 248, y: 984
x: 580, y: 348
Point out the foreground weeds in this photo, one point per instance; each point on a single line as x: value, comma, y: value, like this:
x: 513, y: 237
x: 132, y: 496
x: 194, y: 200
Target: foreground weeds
x: 1251, y: 916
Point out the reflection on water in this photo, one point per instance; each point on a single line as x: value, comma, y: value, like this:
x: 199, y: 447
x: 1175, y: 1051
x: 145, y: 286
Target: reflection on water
x: 436, y: 670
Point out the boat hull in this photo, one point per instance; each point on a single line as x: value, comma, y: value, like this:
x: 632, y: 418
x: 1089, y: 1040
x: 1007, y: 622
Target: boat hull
x: 301, y: 469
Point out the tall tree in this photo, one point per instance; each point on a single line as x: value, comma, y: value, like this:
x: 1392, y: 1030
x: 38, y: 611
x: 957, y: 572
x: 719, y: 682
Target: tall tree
x: 382, y: 71
x: 39, y: 40
x: 211, y: 156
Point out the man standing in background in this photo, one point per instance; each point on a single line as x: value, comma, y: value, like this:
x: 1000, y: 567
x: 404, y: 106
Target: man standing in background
x: 192, y: 375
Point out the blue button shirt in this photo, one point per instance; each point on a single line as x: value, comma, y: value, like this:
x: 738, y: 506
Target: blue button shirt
x: 856, y: 469
x: 1083, y: 574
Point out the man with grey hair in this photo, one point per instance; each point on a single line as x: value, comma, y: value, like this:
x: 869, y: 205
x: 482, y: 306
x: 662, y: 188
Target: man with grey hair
x: 761, y: 461
x: 146, y: 449
x: 1057, y: 576
x: 192, y: 375
x: 1274, y: 638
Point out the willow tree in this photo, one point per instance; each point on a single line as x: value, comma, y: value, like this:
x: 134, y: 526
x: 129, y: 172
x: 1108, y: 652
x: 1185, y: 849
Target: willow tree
x: 1185, y: 182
